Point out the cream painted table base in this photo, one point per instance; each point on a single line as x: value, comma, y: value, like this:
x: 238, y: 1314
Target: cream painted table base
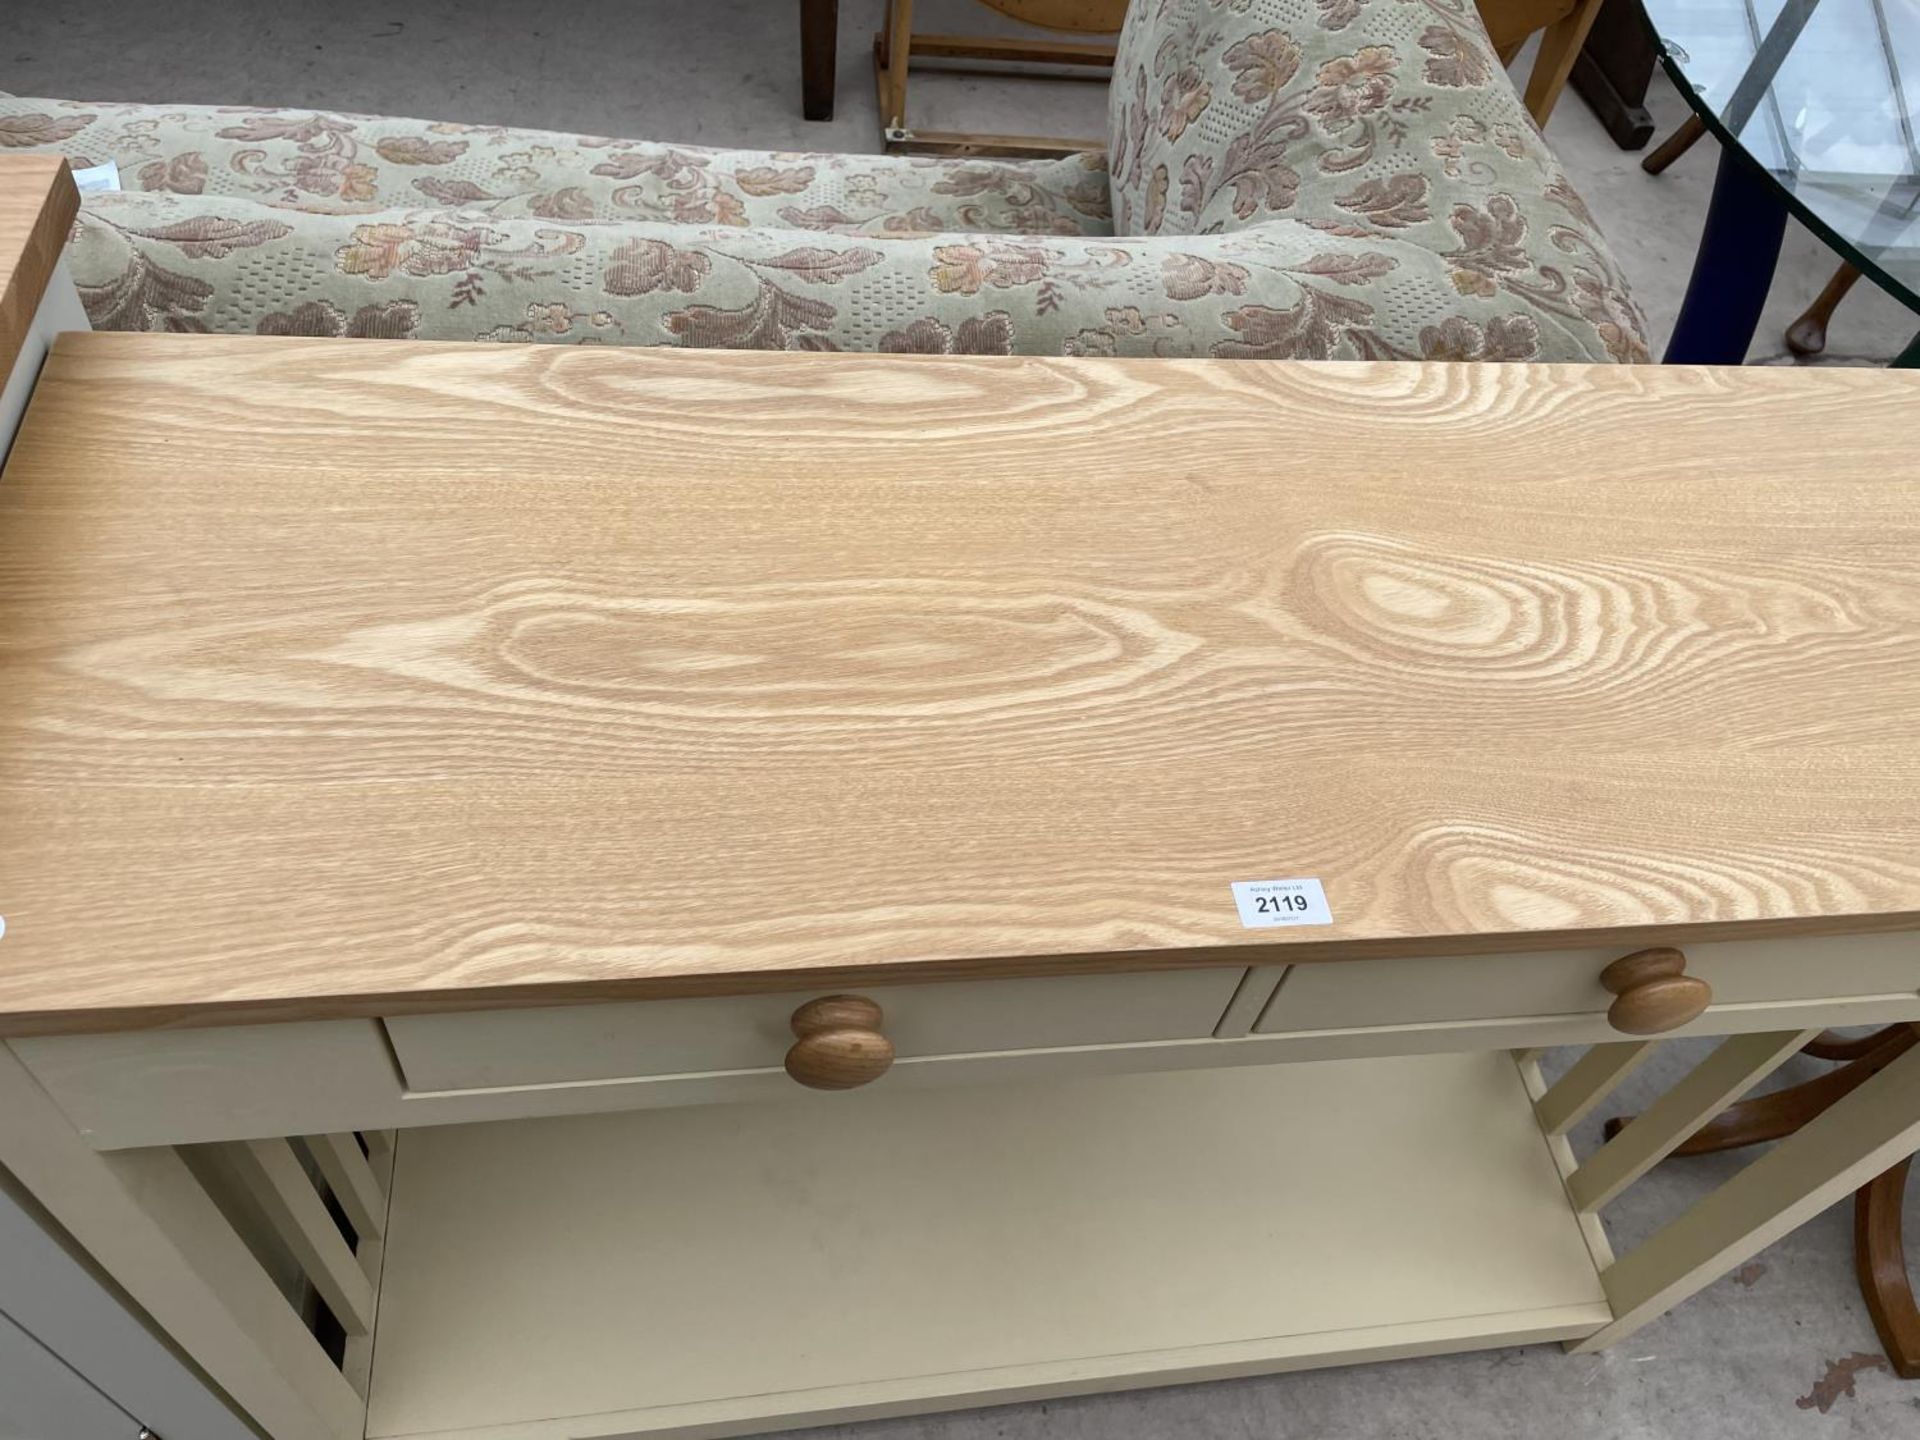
x: 718, y: 1270
x: 433, y: 780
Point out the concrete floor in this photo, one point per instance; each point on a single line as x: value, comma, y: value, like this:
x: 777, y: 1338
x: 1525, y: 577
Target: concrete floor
x: 1783, y: 1347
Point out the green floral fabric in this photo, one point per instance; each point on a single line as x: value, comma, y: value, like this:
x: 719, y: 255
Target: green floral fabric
x: 328, y: 164
x: 1291, y: 178
x: 1362, y: 118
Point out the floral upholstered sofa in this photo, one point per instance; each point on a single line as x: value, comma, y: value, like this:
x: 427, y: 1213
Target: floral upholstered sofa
x: 1285, y: 178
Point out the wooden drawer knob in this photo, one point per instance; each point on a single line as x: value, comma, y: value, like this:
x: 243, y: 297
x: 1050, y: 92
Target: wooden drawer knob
x: 1654, y: 994
x: 840, y: 1045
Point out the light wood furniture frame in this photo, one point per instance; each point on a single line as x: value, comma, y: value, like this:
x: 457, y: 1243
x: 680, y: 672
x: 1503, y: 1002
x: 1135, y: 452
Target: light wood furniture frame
x: 895, y: 46
x: 1563, y: 26
x: 443, y: 878
x: 38, y: 203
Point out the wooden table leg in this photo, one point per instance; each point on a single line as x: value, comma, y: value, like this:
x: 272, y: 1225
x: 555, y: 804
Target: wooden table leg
x: 1880, y: 1257
x: 897, y: 48
x: 1615, y: 68
x: 1771, y: 1117
x: 1675, y: 145
x: 819, y: 47
x: 1832, y: 1045
x: 1808, y: 334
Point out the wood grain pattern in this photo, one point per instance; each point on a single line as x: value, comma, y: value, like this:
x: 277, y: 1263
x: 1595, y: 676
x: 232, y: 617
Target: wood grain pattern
x: 37, y: 206
x: 340, y: 678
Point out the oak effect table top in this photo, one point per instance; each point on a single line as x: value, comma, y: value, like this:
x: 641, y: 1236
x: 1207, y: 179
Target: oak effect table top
x: 341, y: 678
x: 37, y: 204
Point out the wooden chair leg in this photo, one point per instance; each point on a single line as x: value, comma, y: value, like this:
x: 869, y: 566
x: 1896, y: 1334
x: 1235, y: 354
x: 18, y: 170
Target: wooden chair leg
x: 1560, y: 46
x: 1880, y: 1259
x: 1808, y: 334
x: 1675, y: 145
x: 1775, y: 1116
x: 899, y: 47
x: 819, y: 48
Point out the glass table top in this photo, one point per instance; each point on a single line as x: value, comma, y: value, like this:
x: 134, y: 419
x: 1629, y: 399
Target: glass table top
x: 1823, y: 95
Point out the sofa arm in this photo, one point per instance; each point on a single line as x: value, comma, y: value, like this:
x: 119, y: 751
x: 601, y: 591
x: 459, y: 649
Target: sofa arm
x: 1281, y: 290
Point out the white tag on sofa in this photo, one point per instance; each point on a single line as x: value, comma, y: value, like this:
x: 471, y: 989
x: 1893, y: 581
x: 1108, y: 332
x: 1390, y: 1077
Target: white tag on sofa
x: 98, y: 177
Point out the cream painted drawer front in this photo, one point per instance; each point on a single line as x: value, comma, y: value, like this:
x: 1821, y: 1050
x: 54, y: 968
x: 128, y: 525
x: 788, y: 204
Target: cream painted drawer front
x: 319, y: 1077
x: 1450, y: 989
x: 489, y: 1049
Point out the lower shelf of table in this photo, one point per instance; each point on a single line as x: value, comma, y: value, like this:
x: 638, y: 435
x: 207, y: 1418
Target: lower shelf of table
x: 721, y: 1270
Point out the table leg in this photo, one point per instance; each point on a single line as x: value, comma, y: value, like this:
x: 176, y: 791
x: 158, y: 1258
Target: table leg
x: 1746, y: 221
x: 1808, y: 334
x: 1614, y: 70
x: 1675, y: 145
x: 899, y: 49
x: 1880, y: 1258
x: 1771, y: 1117
x: 819, y: 46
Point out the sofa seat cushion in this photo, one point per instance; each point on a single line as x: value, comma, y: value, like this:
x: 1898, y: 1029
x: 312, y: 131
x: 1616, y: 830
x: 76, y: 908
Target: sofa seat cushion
x: 1276, y: 291
x: 322, y: 162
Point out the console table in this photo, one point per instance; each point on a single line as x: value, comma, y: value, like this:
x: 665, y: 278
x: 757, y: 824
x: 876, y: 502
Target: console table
x: 664, y: 892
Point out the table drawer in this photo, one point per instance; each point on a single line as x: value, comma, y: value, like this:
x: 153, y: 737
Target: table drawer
x: 488, y: 1049
x: 1466, y: 988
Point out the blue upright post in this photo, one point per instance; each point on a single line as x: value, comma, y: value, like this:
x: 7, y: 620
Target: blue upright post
x: 1732, y: 269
